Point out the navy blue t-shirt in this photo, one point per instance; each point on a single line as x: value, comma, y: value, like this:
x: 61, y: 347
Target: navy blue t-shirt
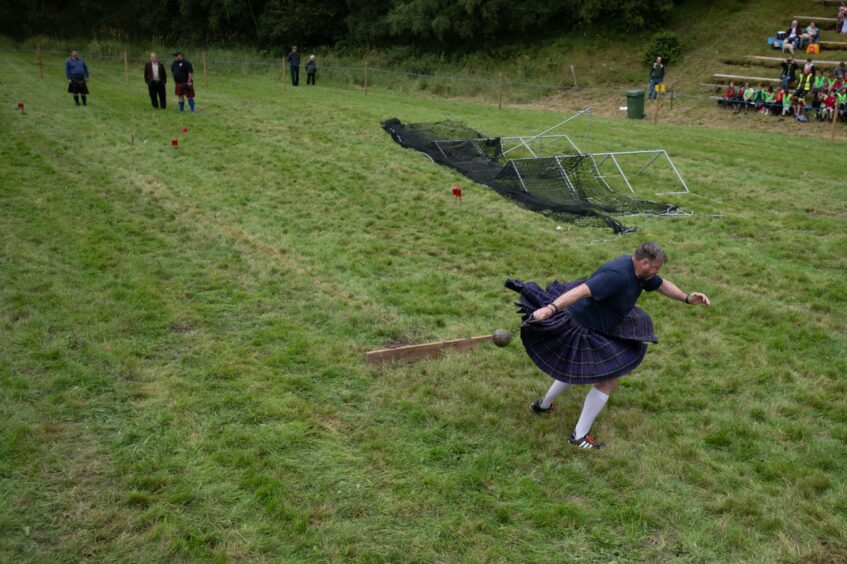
x: 180, y: 70
x: 614, y: 291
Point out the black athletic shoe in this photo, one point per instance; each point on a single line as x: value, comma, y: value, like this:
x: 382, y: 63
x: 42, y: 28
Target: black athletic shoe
x: 586, y: 442
x: 536, y: 407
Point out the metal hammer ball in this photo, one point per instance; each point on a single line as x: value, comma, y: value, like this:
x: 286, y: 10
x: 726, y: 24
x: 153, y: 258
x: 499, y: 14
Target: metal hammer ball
x: 502, y: 337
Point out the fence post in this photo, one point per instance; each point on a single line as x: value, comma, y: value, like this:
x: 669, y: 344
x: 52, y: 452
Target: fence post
x: 500, y: 94
x: 205, y: 71
x: 126, y: 69
x: 656, y: 114
x: 40, y: 60
x: 834, y: 121
x: 573, y: 73
x: 366, y: 78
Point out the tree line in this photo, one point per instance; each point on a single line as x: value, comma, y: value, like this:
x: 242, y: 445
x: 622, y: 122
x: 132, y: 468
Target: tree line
x: 434, y: 24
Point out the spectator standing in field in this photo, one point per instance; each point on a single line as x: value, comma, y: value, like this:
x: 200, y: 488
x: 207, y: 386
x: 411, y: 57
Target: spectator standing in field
x: 156, y: 77
x: 183, y: 74
x: 294, y: 66
x: 842, y: 13
x: 789, y: 72
x: 841, y: 72
x: 657, y: 76
x: 590, y: 332
x: 311, y: 70
x: 76, y: 71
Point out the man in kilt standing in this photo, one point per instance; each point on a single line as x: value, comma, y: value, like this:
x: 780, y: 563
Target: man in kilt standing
x: 76, y: 72
x: 183, y: 74
x: 590, y: 332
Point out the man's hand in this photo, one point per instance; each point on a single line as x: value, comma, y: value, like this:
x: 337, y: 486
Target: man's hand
x: 542, y: 313
x: 695, y: 298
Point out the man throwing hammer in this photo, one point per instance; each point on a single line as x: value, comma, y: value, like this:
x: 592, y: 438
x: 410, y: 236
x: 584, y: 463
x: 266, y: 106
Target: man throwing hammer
x: 590, y: 332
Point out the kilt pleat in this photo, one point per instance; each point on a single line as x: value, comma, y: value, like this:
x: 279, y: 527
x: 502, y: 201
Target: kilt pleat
x: 78, y: 87
x: 574, y: 353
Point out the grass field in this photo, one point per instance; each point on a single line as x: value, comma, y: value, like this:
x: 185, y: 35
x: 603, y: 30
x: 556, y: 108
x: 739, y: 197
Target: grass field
x: 182, y: 333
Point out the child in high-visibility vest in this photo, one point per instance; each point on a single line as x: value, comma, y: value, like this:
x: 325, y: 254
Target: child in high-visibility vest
x: 786, y: 102
x: 767, y: 102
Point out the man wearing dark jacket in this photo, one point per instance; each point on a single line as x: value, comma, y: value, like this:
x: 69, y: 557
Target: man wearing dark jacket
x: 156, y: 77
x: 183, y: 74
x: 294, y: 65
x: 789, y: 72
x: 657, y: 76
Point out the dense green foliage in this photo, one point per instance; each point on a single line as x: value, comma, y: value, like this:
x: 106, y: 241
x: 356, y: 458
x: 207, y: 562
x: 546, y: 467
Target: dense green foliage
x: 664, y: 44
x: 182, y: 330
x: 429, y: 23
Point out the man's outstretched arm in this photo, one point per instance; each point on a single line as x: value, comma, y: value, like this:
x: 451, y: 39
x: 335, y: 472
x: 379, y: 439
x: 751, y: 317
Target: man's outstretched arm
x: 670, y: 290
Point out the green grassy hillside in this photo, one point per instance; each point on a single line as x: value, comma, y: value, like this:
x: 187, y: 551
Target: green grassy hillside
x: 182, y: 333
x: 718, y: 36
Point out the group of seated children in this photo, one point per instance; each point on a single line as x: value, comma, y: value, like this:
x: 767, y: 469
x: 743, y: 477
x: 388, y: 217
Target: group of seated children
x: 818, y: 95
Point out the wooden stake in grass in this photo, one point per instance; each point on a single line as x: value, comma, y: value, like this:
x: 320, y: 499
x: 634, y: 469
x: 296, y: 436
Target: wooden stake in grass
x: 40, y: 60
x: 411, y: 353
x: 671, y: 96
x: 500, y: 94
x: 834, y: 121
x: 573, y: 73
x: 656, y: 114
x: 366, y: 78
x: 205, y: 70
x: 126, y: 69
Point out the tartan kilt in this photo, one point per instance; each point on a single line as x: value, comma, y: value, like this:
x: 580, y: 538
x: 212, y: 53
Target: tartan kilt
x: 184, y: 89
x: 77, y: 86
x: 574, y: 353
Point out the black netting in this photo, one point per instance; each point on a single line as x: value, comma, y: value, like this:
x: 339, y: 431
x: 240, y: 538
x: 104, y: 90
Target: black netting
x: 567, y: 188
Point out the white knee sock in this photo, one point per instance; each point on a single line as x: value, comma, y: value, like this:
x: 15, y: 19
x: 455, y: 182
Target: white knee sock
x: 556, y: 388
x: 594, y: 402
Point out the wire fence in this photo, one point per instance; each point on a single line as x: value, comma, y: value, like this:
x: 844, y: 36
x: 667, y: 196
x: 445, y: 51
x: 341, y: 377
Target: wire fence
x: 364, y: 77
x: 363, y: 74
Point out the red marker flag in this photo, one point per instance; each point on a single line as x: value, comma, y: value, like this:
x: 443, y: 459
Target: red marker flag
x: 20, y: 106
x: 457, y: 191
x: 174, y: 142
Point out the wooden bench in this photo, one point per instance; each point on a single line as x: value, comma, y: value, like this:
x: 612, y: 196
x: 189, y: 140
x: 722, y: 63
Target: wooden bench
x: 833, y: 45
x: 798, y: 59
x: 821, y: 22
x: 737, y: 78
